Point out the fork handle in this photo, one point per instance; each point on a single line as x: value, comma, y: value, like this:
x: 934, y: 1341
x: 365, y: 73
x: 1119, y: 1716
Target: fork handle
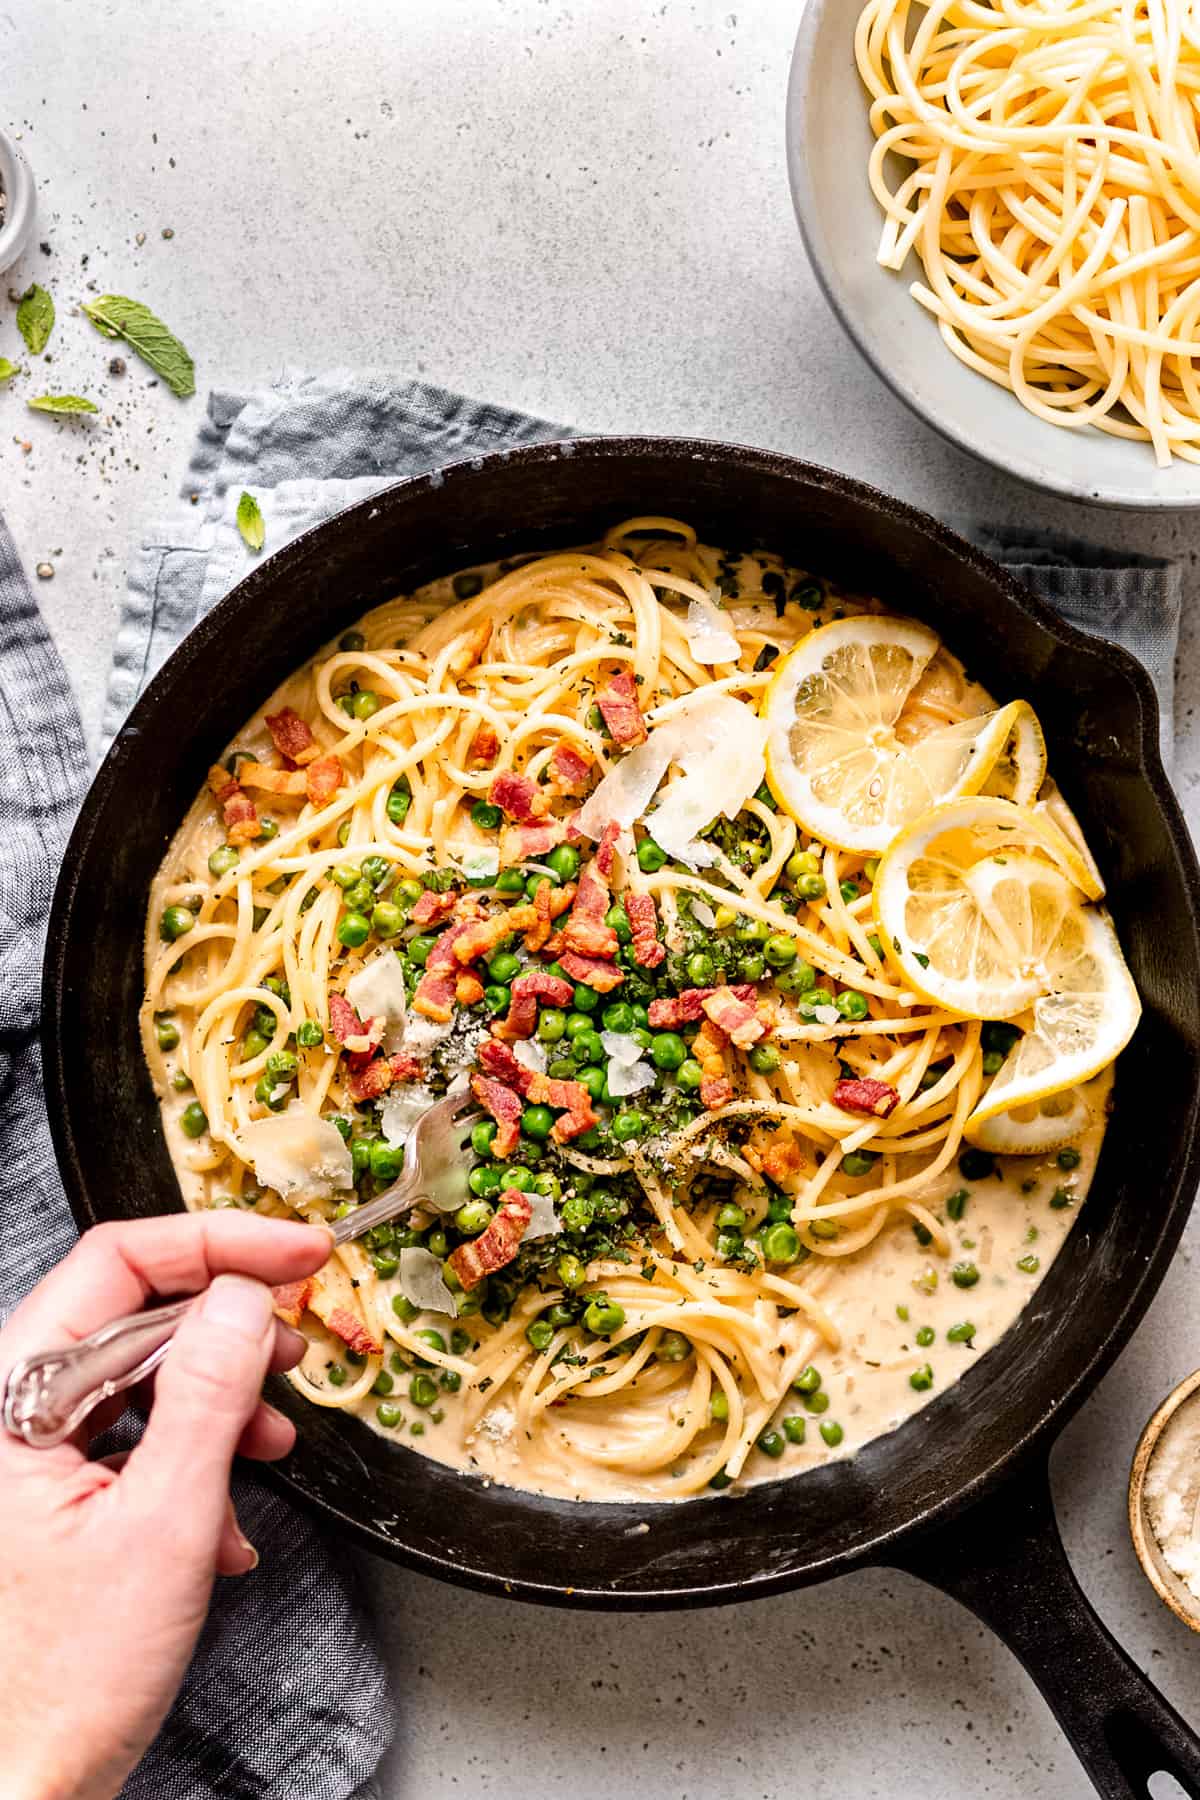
x: 47, y: 1396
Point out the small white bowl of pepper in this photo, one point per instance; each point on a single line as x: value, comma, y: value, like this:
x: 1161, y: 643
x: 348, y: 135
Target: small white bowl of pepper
x: 17, y: 202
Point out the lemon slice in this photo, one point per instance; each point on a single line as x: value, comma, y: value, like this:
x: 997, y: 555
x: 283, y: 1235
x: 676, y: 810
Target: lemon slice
x: 979, y: 903
x: 839, y: 761
x: 1020, y: 769
x: 1053, y: 808
x: 1034, y: 1129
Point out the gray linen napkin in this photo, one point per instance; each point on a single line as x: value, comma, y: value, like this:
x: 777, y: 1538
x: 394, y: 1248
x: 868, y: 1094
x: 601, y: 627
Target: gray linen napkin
x: 286, y: 1696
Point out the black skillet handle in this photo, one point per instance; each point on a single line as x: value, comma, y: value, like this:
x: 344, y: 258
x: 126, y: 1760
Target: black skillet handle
x: 1004, y: 1560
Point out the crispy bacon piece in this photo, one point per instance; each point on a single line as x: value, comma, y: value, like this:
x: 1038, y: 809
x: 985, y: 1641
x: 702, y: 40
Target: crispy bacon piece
x: 594, y: 971
x: 468, y: 989
x: 519, y: 796
x: 375, y: 1077
x: 434, y: 909
x: 471, y: 649
x: 585, y: 930
x: 352, y: 1332
x: 643, y: 922
x: 577, y: 1115
x: 324, y: 778
x: 485, y: 745
x: 495, y: 1247
x: 686, y: 1008
x: 708, y: 1048
x: 434, y: 997
x: 358, y: 1036
x: 781, y: 1159
x: 292, y: 737
x: 571, y: 772
x: 405, y: 1068
x: 497, y: 1098
x: 526, y: 991
x: 499, y: 1061
x: 526, y: 843
x: 605, y: 850
x: 291, y: 1299
x: 738, y: 1018
x: 285, y: 784
x: 480, y: 937
x: 864, y: 1095
x: 622, y: 714
x: 238, y: 809
x: 548, y: 903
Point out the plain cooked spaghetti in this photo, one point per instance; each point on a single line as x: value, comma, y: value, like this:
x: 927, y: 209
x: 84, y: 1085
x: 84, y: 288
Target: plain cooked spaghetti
x: 1050, y: 187
x: 651, y: 1335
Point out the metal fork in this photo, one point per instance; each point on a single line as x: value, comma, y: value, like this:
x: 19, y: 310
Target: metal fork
x: 47, y: 1396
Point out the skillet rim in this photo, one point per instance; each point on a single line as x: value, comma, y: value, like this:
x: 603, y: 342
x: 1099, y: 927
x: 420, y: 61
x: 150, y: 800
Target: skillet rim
x: 1141, y: 1284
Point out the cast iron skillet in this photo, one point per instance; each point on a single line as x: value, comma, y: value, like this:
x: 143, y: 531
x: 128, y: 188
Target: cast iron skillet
x: 959, y: 1494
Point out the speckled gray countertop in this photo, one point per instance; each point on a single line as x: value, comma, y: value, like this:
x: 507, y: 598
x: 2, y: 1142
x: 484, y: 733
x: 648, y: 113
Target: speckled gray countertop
x: 579, y: 207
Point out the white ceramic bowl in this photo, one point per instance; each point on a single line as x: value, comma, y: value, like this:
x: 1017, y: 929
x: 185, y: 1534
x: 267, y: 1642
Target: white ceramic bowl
x: 829, y: 142
x: 17, y: 183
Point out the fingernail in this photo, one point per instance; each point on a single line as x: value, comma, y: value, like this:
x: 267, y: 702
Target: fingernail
x: 238, y: 1304
x: 251, y: 1552
x: 293, y: 1343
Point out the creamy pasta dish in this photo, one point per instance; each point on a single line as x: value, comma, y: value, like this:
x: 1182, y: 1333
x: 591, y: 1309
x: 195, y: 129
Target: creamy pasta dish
x: 773, y: 959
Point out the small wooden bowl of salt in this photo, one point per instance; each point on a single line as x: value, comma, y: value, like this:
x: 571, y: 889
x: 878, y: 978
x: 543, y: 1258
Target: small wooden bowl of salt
x: 1164, y: 1501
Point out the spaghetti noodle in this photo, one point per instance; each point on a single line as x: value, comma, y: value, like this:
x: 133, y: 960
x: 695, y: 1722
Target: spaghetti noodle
x: 678, y: 1218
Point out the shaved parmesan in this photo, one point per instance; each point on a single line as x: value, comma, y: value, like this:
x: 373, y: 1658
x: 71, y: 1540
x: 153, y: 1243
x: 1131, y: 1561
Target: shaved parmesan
x: 628, y: 788
x: 376, y: 991
x: 420, y: 1281
x: 400, y: 1111
x: 543, y: 1220
x: 703, y: 914
x: 629, y: 1078
x: 300, y: 1156
x: 826, y: 1015
x: 621, y: 1047
x: 709, y: 632
x: 531, y: 1055
x: 422, y: 1035
x: 478, y: 861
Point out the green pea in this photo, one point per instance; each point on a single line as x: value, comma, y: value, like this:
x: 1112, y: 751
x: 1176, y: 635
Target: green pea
x: 668, y: 1050
x: 561, y: 1069
x: 779, y: 1207
x: 571, y: 1271
x: 701, y: 969
x: 801, y: 863
x: 335, y: 1374
x: 504, y: 966
x: 852, y: 1004
x: 175, y: 923
x: 780, y: 951
x: 1029, y: 1265
x: 419, y: 948
x: 408, y: 892
x: 764, y: 1059
x: 267, y: 829
x: 436, y: 1241
x: 628, y: 1124
x: 925, y: 1335
x: 876, y: 946
x: 818, y: 1402
x: 386, y: 1263
x: 167, y: 1033
x: 224, y: 859
x: 486, y: 816
x: 547, y: 1185
x: 964, y: 1274
x: 956, y: 1205
x: 429, y: 1335
x: 832, y: 1433
x: 848, y: 890
x: 993, y: 1062
x: 484, y: 1180
x: 771, y: 1443
x: 729, y: 1245
x: 998, y: 1035
x: 404, y: 1309
x: 587, y: 1047
x: 807, y: 1381
x: 346, y: 875
x: 353, y: 930
x: 562, y: 1313
x: 352, y: 640
x: 800, y: 978
x: 1069, y: 1158
x: 1060, y: 1199
x: 387, y: 919
x: 618, y: 1016
x: 603, y: 1317
x: 386, y: 1160
x: 536, y: 881
x: 651, y: 856
x: 398, y: 803
x: 720, y: 1481
x: 617, y: 918
x: 310, y: 1035
x: 510, y: 881
x: 497, y: 1000
x: 359, y: 897
x: 585, y: 999
x: 731, y: 1217
x: 483, y: 1136
x: 689, y: 1073
x: 673, y: 1347
x: 193, y: 1120
x: 921, y: 1379
x: 552, y: 1025
x: 514, y: 1176
x: 811, y: 887
x: 780, y: 1243
x: 752, y: 968
x: 564, y: 860
x: 422, y: 1390
x: 961, y: 1334
x: 537, y: 1122
x: 181, y: 1081
x: 718, y: 1406
x: 795, y: 1428
x: 363, y: 705
x: 539, y: 1333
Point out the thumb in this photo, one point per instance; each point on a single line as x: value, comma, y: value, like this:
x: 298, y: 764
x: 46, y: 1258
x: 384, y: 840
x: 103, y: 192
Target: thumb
x: 206, y: 1391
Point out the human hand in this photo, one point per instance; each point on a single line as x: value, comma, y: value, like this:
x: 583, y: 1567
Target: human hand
x: 106, y: 1568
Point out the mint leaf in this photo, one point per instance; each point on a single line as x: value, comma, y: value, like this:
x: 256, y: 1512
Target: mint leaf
x: 250, y: 522
x: 7, y: 370
x: 116, y: 316
x: 35, y: 319
x: 62, y: 403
